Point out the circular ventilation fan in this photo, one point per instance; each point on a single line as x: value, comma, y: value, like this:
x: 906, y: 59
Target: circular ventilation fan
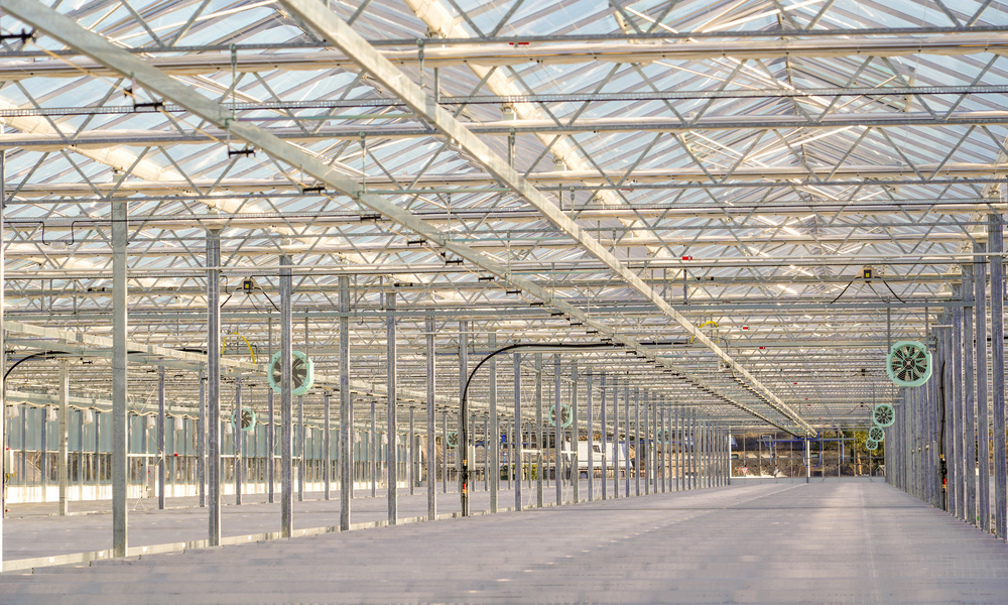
x: 884, y: 415
x: 248, y: 419
x: 908, y: 363
x: 453, y: 439
x: 302, y: 375
x: 871, y: 445
x: 566, y: 415
x: 876, y: 433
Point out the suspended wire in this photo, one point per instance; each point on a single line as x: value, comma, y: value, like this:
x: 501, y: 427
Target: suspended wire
x: 893, y: 293
x: 842, y: 291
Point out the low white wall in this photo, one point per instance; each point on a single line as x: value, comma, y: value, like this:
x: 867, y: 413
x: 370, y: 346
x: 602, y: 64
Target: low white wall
x: 76, y: 493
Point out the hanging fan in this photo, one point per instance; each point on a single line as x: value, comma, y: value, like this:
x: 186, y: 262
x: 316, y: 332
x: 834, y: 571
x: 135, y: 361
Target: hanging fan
x: 302, y: 373
x: 453, y: 439
x: 876, y: 433
x: 566, y: 415
x: 662, y: 436
x: 908, y: 363
x: 247, y: 418
x: 884, y: 415
x: 871, y: 445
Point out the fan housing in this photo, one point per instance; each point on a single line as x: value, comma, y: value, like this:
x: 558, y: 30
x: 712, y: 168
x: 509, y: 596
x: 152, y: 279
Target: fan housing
x: 908, y: 363
x: 302, y: 373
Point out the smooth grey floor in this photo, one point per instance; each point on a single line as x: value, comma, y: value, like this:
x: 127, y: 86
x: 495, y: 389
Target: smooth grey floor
x: 833, y: 542
x: 34, y: 530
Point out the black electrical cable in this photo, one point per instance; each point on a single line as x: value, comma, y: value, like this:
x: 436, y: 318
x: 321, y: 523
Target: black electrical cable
x: 464, y: 402
x: 893, y: 293
x: 842, y: 291
x: 271, y: 301
x: 41, y: 354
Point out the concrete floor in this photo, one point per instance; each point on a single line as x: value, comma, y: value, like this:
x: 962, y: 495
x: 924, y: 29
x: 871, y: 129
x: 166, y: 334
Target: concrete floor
x: 833, y: 542
x: 34, y: 530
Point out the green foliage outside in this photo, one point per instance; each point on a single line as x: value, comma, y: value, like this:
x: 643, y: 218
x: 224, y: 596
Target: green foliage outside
x: 860, y: 437
x: 530, y: 471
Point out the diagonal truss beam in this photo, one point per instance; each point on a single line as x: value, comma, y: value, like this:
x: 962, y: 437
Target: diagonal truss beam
x: 357, y: 48
x: 69, y: 32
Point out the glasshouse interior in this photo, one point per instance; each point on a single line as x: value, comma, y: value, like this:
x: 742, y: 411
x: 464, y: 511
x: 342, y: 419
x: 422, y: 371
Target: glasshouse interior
x: 503, y: 300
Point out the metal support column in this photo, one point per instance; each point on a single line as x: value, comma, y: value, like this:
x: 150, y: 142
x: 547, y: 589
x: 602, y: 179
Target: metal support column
x: 391, y: 415
x: 996, y: 247
x: 411, y: 452
x: 64, y: 410
x: 270, y: 426
x: 969, y: 402
x: 983, y: 414
x: 327, y: 446
x: 575, y: 473
x: 539, y: 430
x: 603, y: 434
x: 663, y: 462
x: 558, y: 432
x: 300, y: 451
x: 161, y: 439
x: 286, y: 398
x: 957, y: 433
x: 626, y: 420
x: 517, y: 459
x: 651, y: 409
x: 213, y: 387
x: 494, y: 444
x: 201, y: 439
x: 239, y: 441
x: 463, y: 423
x: 486, y: 452
x: 680, y: 454
x: 948, y: 392
x: 373, y: 449
x: 638, y: 450
x: 346, y: 453
x: 120, y: 449
x: 695, y: 452
x: 591, y: 437
x: 616, y: 437
x: 431, y: 422
x: 302, y: 456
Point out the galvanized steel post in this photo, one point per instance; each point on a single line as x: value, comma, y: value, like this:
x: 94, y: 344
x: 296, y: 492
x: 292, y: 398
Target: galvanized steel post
x: 346, y: 453
x: 239, y: 442
x: 286, y: 399
x: 431, y: 421
x: 539, y: 430
x: 983, y: 413
x: 463, y: 422
x: 327, y: 446
x: 64, y: 410
x: 517, y: 459
x: 120, y: 465
x: 591, y: 436
x: 575, y: 473
x: 391, y: 413
x: 494, y: 445
x: 995, y: 248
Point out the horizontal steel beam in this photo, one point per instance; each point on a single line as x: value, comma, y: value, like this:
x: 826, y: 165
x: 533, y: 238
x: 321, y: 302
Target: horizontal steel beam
x: 547, y: 53
x: 868, y: 175
x: 363, y: 125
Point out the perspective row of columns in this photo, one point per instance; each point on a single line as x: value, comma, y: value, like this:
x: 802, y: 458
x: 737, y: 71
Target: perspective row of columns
x: 948, y: 440
x: 701, y: 460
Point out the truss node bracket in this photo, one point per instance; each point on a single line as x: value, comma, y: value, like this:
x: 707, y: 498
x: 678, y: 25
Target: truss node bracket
x: 24, y: 36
